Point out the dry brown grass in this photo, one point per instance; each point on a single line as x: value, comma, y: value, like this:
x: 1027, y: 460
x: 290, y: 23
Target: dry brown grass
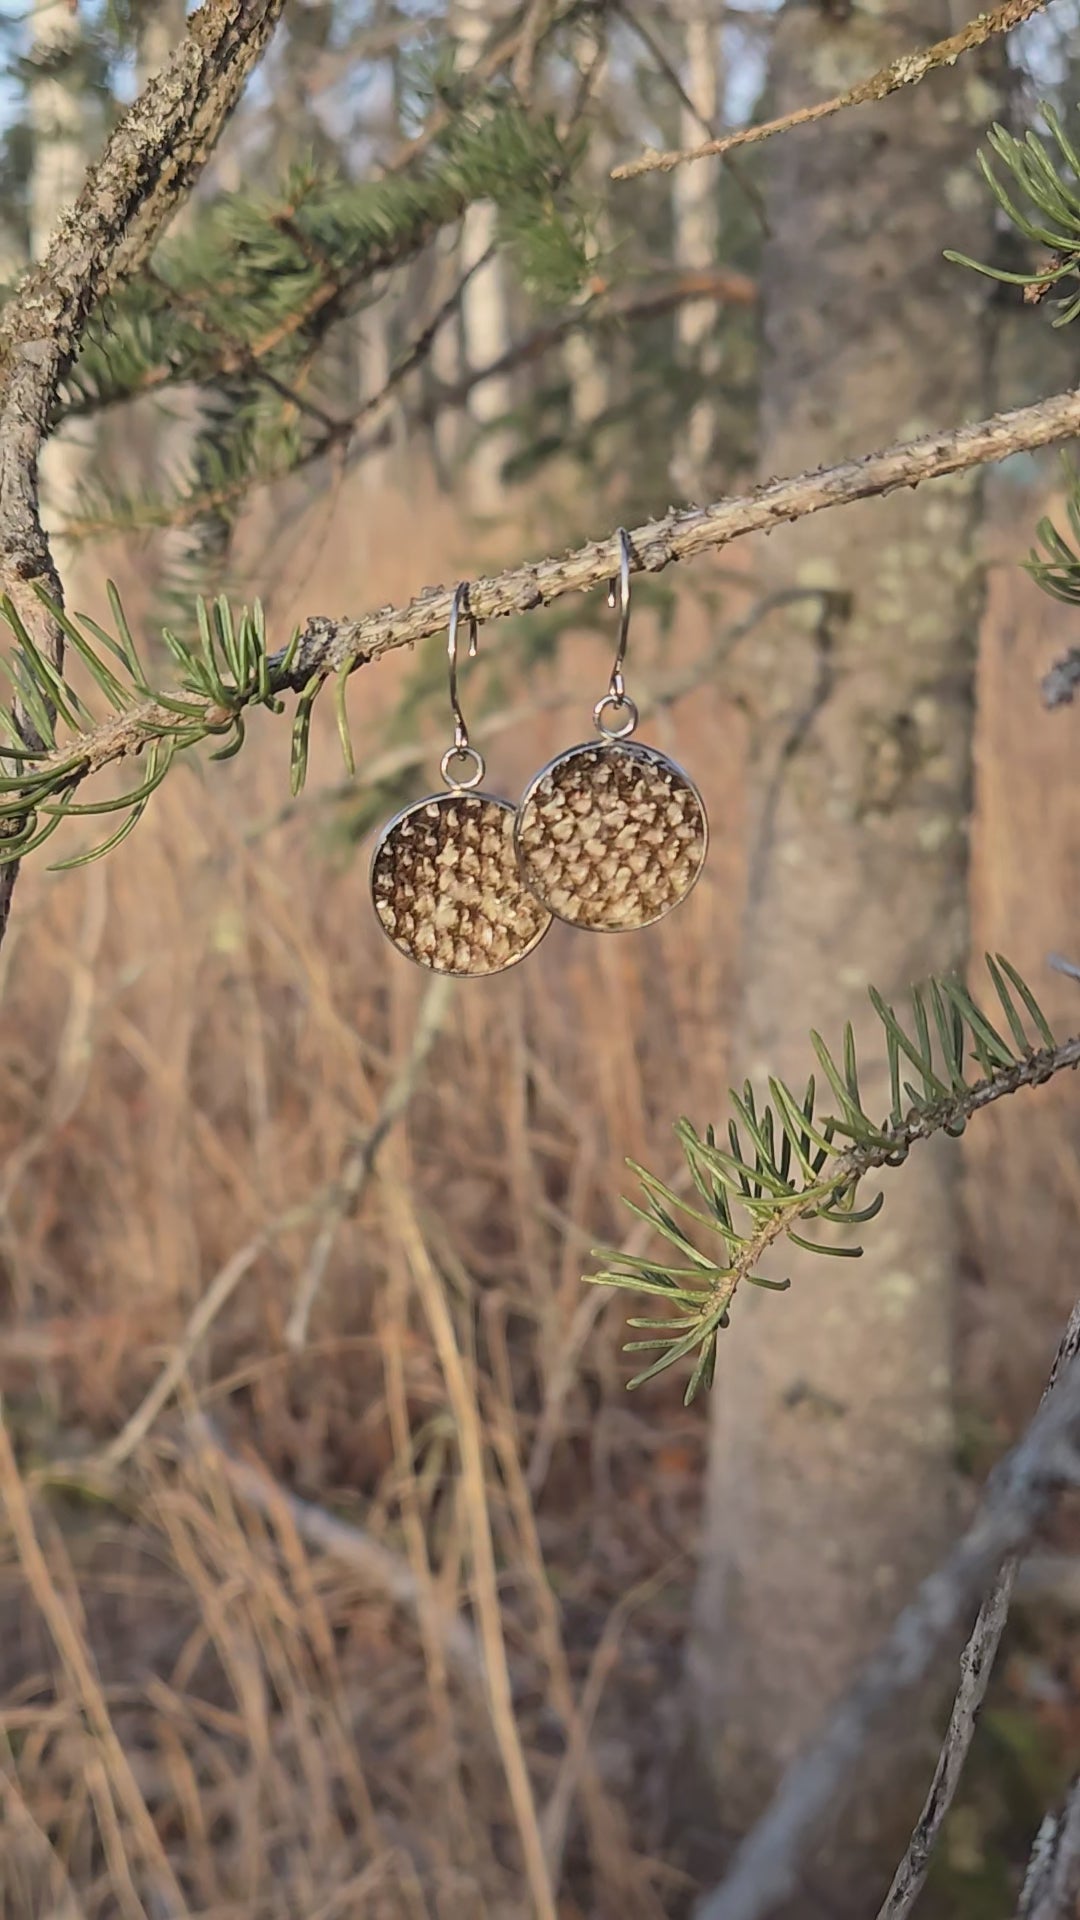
x: 196, y: 1032
x: 213, y: 1703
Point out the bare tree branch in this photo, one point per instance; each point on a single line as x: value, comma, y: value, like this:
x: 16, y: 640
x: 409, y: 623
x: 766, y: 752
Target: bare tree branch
x: 765, y: 1869
x: 907, y: 71
x: 150, y: 162
x: 328, y: 647
x: 976, y: 1666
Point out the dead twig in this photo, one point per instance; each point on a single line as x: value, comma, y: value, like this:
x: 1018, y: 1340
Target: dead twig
x: 1051, y: 1888
x: 766, y: 1866
x: 907, y: 71
x: 976, y: 1666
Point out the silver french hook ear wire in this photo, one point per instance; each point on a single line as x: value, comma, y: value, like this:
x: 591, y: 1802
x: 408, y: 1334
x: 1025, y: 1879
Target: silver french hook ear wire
x: 621, y: 586
x: 616, y: 697
x: 461, y: 748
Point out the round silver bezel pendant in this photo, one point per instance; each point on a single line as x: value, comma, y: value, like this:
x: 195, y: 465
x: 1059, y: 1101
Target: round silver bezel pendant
x: 447, y: 889
x: 611, y: 835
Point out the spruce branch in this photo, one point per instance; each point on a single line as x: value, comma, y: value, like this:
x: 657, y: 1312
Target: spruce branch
x: 112, y: 510
x: 260, y: 279
x: 1042, y: 202
x: 229, y: 668
x: 907, y: 71
x: 151, y: 160
x: 786, y: 1164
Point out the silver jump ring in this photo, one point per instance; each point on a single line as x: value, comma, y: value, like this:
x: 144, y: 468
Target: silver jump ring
x: 619, y: 702
x: 462, y: 753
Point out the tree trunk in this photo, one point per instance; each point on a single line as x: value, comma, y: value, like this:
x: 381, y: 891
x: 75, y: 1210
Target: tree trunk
x: 60, y: 121
x: 695, y: 206
x: 485, y: 319
x: 828, y: 1484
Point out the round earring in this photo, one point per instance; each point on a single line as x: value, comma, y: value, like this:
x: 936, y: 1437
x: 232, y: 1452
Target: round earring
x: 611, y: 835
x: 444, y: 876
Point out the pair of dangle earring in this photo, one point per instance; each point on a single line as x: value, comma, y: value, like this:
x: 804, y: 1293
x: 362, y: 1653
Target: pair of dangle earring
x: 610, y: 836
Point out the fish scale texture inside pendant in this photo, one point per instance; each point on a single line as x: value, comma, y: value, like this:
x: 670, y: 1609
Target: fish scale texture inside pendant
x: 448, y: 890
x: 612, y: 837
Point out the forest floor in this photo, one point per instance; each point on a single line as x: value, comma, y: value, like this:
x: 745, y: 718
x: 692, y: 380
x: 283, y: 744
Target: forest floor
x: 238, y: 1677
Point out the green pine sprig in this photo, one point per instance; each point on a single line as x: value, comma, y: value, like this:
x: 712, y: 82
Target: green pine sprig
x: 1041, y: 197
x: 792, y: 1162
x: 222, y: 670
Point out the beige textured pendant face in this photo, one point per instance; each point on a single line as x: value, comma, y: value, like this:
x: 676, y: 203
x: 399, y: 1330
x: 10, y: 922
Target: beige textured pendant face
x: 611, y: 835
x: 447, y: 887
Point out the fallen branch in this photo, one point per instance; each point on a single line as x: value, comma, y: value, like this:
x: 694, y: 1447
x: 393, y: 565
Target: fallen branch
x: 327, y: 646
x: 907, y: 71
x: 765, y: 1870
x: 976, y: 1666
x: 377, y: 1565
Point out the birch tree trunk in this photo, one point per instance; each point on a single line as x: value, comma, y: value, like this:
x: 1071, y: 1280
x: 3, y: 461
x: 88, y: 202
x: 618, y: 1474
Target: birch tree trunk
x: 828, y: 1489
x: 485, y: 321
x: 587, y: 361
x: 695, y: 206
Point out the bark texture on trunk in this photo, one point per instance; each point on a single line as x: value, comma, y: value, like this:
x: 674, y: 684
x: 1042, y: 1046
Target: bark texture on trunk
x: 831, y: 1418
x: 61, y: 127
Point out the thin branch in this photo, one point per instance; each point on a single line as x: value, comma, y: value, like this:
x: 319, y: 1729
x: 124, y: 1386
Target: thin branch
x: 907, y: 71
x: 976, y: 1666
x: 629, y: 306
x: 1019, y: 1492
x: 328, y: 646
x: 715, y: 141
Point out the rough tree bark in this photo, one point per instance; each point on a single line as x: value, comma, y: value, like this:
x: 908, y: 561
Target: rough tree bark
x: 828, y: 1483
x: 61, y: 122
